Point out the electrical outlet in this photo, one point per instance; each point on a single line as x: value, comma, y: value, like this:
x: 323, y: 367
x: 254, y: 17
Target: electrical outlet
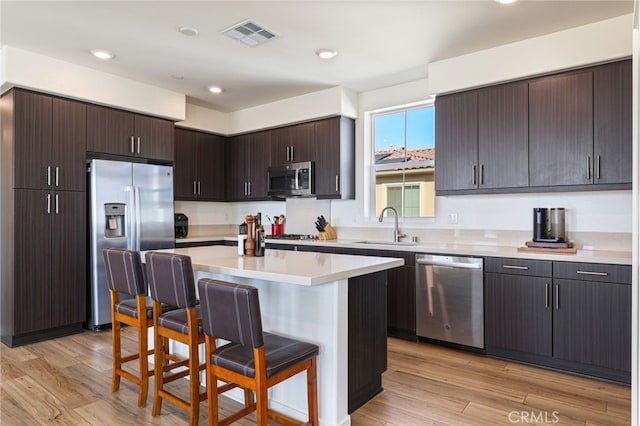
x: 452, y: 218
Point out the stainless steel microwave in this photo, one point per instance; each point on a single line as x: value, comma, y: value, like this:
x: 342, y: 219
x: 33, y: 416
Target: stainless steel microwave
x: 292, y: 180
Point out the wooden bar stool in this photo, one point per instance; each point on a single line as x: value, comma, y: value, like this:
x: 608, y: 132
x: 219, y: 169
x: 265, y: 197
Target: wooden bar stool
x: 253, y: 360
x: 125, y: 275
x: 171, y: 282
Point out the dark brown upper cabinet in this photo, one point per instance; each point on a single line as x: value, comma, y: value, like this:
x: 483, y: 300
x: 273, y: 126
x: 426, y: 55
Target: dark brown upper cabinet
x: 612, y: 123
x: 119, y: 132
x: 199, y: 166
x: 292, y: 144
x: 503, y: 136
x: 52, y: 138
x: 334, y: 158
x: 561, y: 130
x: 456, y: 134
x: 567, y: 131
x: 247, y: 159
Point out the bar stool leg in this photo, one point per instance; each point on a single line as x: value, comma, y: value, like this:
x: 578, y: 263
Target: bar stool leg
x: 312, y: 393
x: 159, y: 361
x: 194, y: 374
x: 144, y: 366
x: 117, y: 356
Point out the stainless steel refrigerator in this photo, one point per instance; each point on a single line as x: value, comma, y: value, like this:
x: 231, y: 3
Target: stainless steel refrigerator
x: 131, y: 206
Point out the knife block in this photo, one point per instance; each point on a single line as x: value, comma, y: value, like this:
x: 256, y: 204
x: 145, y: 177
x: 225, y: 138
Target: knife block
x: 328, y: 234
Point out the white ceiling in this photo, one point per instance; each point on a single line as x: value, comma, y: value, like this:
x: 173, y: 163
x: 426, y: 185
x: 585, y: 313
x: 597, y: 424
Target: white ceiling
x: 379, y: 43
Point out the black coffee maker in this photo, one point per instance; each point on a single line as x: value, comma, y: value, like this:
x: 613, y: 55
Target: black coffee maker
x: 549, y: 225
x: 182, y: 225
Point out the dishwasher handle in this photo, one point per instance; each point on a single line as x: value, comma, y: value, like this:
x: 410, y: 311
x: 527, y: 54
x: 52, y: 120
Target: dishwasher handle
x: 449, y: 264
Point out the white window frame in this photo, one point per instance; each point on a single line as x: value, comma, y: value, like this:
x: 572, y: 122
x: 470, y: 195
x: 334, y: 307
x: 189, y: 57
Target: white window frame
x: 370, y: 178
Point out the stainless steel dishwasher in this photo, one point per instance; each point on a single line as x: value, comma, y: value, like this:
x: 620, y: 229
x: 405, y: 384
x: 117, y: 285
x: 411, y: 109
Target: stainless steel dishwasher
x: 449, y: 299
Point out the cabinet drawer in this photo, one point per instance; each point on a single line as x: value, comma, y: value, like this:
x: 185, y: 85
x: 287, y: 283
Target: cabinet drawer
x: 501, y: 265
x: 592, y: 272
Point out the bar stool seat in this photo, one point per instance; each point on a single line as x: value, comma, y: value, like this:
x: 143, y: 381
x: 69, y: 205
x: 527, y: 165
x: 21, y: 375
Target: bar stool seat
x: 280, y: 353
x: 129, y: 307
x: 178, y: 320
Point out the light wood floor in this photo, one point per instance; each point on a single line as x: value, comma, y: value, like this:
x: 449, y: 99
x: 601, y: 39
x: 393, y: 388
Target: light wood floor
x: 68, y: 381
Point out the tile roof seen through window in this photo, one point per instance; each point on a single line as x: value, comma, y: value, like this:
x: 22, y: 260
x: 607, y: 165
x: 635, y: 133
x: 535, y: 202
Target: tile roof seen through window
x: 396, y: 155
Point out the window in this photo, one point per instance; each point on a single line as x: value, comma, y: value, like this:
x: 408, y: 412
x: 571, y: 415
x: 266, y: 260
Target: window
x: 403, y: 158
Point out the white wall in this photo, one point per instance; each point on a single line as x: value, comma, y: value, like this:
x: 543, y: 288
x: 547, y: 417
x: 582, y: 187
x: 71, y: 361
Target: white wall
x: 579, y: 46
x: 206, y: 119
x: 45, y: 74
x: 324, y: 103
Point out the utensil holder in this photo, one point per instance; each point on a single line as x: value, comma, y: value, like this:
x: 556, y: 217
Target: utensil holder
x: 328, y: 234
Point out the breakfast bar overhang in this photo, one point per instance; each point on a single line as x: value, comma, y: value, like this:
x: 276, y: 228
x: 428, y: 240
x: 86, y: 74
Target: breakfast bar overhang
x: 335, y: 301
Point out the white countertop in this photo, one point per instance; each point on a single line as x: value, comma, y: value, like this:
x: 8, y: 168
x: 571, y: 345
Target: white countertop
x: 590, y: 256
x: 292, y: 267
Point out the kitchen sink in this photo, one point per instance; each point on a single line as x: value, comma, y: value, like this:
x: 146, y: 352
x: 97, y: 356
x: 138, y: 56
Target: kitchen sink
x: 388, y: 243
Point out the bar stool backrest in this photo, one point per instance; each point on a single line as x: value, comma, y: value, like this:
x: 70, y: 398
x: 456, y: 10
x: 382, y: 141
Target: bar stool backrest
x: 171, y: 279
x: 124, y: 271
x: 231, y: 312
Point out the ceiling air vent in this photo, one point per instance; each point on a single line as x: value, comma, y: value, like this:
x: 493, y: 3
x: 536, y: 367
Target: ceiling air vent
x: 249, y: 33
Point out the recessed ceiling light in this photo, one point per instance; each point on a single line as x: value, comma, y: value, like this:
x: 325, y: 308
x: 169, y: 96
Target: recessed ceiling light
x: 506, y: 1
x: 326, y: 53
x: 102, y: 54
x: 189, y: 31
x: 215, y: 89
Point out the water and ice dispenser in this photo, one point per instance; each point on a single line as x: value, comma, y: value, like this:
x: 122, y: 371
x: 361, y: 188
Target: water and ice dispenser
x: 114, y: 220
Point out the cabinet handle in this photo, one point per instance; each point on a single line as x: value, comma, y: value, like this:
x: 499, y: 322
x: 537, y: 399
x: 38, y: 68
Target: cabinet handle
x: 288, y: 155
x: 481, y: 174
x: 599, y: 274
x: 522, y: 268
x: 133, y: 147
x: 245, y: 188
x: 57, y: 175
x: 249, y: 191
x: 57, y: 204
x: 48, y: 175
x: 473, y: 174
x: 48, y: 203
x: 138, y: 151
x: 546, y: 295
x: 598, y: 167
x: 292, y: 153
x: 588, y: 167
x: 337, y: 183
x: 194, y: 188
x: 557, y: 297
x: 199, y: 193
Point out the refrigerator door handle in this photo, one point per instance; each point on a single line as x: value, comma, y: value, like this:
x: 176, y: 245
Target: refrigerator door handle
x: 138, y: 219
x: 130, y: 218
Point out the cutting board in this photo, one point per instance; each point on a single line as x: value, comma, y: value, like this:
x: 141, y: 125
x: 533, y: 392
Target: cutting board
x: 571, y: 250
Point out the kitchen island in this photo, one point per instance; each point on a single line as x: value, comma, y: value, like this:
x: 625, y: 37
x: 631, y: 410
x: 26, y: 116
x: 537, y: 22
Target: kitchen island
x: 337, y: 302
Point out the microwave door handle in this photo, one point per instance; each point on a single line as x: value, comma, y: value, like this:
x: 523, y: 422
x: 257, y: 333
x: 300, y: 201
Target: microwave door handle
x: 297, y: 179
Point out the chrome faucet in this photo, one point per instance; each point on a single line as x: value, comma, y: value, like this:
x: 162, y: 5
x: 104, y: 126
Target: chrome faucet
x: 396, y: 232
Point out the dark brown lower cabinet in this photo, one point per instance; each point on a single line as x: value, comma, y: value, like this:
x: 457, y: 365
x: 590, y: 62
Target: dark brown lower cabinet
x: 577, y: 319
x: 592, y: 323
x: 518, y: 315
x: 46, y: 293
